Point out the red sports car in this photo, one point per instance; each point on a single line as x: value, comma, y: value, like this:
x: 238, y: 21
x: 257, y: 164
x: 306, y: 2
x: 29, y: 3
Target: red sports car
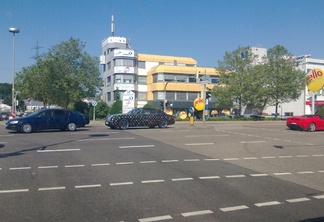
x: 306, y: 122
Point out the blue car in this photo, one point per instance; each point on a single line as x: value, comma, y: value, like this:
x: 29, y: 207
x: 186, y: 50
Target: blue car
x: 47, y: 119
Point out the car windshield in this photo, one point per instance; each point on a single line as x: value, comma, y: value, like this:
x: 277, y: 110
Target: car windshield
x: 134, y: 111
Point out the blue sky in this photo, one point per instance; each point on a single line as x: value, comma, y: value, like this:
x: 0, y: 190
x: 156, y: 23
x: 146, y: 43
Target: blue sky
x: 201, y: 29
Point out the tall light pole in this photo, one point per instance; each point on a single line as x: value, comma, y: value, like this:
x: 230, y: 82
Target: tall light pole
x: 13, y: 31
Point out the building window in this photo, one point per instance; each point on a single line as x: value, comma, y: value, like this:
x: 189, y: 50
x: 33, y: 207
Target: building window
x: 108, y: 65
x: 108, y: 80
x: 128, y: 78
x: 181, y: 96
x: 108, y: 96
x: 142, y: 80
x: 117, y: 78
x: 124, y: 62
x: 142, y: 96
x: 192, y: 95
x: 141, y: 64
x: 214, y: 80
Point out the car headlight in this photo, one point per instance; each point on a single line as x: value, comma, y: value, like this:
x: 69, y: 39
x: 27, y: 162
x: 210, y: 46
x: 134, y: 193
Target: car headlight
x: 14, y: 122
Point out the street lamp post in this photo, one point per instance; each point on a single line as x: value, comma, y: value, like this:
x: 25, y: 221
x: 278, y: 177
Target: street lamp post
x: 13, y: 107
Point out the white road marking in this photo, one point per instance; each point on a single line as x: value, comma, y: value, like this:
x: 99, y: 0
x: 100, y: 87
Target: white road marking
x: 227, y: 159
x: 124, y: 163
x: 250, y: 158
x: 95, y: 133
x: 20, y: 168
x: 261, y: 141
x: 50, y: 188
x: 321, y: 171
x: 14, y: 191
x: 182, y: 179
x: 302, y: 156
x: 268, y: 157
x: 213, y: 135
x: 191, y: 160
x: 270, y: 203
x: 284, y: 156
x: 305, y: 172
x: 47, y: 167
x: 197, y: 213
x: 70, y: 166
x: 159, y: 218
x: 198, y: 144
x: 140, y: 146
x: 259, y: 175
x: 227, y: 209
x: 209, y: 177
x: 59, y: 150
x: 100, y: 164
x: 318, y: 155
x: 152, y: 181
x: 120, y: 184
x: 210, y: 159
x: 104, y: 139
x: 296, y: 200
x: 282, y: 174
x: 149, y: 161
x: 319, y: 197
x: 235, y: 176
x: 169, y: 161
x: 88, y: 186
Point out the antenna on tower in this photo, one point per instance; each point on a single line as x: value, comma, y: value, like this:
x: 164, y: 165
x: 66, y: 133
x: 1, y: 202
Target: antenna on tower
x: 37, y: 47
x: 112, y: 25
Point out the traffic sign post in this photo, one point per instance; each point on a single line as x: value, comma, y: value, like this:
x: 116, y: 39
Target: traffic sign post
x: 94, y: 104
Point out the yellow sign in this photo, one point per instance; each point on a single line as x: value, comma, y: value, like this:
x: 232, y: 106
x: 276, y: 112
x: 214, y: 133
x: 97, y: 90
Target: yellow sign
x: 315, y: 80
x: 183, y: 115
x: 199, y: 104
x: 169, y: 111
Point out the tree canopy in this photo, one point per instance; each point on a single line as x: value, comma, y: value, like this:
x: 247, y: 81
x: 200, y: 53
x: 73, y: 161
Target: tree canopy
x: 62, y: 76
x: 246, y: 80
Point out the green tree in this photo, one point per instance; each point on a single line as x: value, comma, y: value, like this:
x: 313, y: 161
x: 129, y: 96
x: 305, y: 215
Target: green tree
x: 62, y: 76
x: 116, y: 107
x: 81, y: 107
x: 285, y: 81
x: 5, y: 93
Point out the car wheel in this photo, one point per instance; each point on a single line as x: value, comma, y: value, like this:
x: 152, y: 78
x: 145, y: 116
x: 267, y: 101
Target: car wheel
x: 312, y: 127
x: 26, y: 128
x: 71, y: 127
x: 123, y: 124
x: 112, y: 127
x: 163, y: 124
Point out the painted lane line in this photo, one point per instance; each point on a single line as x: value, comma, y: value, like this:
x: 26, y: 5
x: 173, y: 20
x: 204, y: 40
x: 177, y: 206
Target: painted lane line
x: 268, y: 157
x: 104, y: 139
x: 227, y: 209
x: 209, y: 177
x: 259, y: 175
x: 50, y: 188
x: 124, y: 163
x: 302, y: 156
x: 191, y: 160
x: 71, y: 166
x: 191, y: 136
x: 318, y: 155
x: 285, y: 156
x: 282, y: 174
x: 0, y: 168
x: 297, y: 200
x: 235, y: 176
x: 159, y: 218
x: 20, y: 168
x: 319, y: 197
x: 265, y: 204
x: 197, y: 213
x: 59, y: 150
x: 250, y: 158
x: 198, y: 144
x: 95, y: 133
x: 47, y: 167
x: 148, y: 161
x: 152, y: 181
x: 305, y: 172
x: 87, y: 186
x: 229, y: 159
x: 169, y: 161
x: 211, y: 159
x: 100, y: 164
x: 121, y: 184
x: 310, y: 144
x: 321, y: 171
x: 140, y: 146
x: 261, y: 141
x: 182, y: 179
x: 14, y: 191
